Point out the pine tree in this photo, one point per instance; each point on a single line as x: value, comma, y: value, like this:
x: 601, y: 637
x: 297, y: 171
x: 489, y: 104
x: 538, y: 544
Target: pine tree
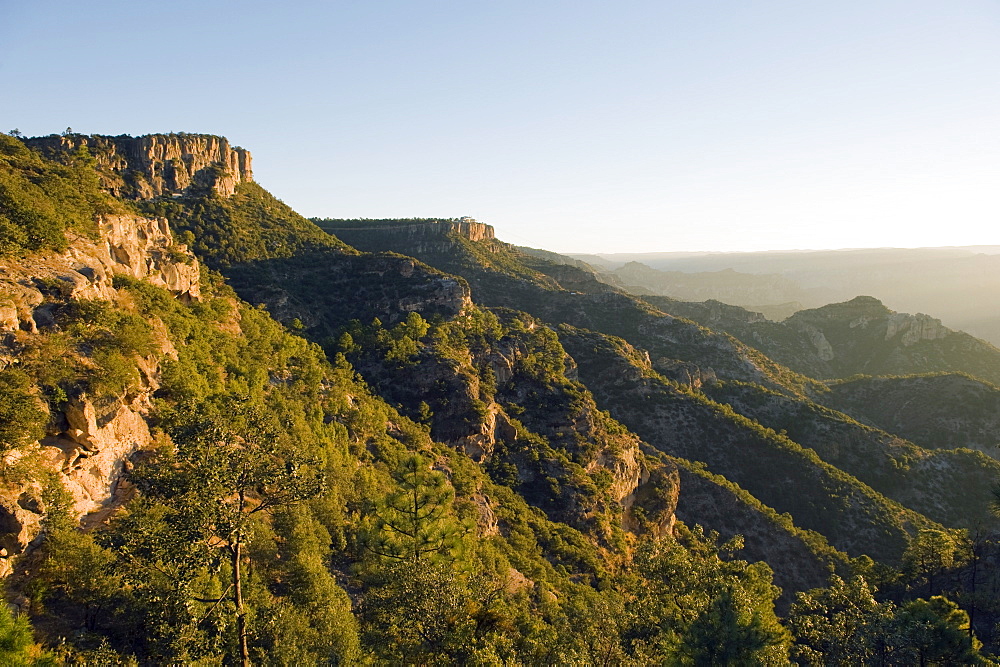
x: 415, y: 521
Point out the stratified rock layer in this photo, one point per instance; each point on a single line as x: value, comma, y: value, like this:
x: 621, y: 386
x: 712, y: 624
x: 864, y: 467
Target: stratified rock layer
x: 156, y: 165
x: 408, y: 237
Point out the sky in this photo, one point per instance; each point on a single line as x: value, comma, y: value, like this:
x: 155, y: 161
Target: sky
x: 575, y: 126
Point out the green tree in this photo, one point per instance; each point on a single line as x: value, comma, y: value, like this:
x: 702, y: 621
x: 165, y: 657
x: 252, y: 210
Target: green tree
x: 683, y: 593
x: 935, y: 632
x: 734, y: 630
x: 840, y: 624
x: 415, y: 520
x: 22, y: 419
x: 227, y: 467
x: 931, y: 553
x: 80, y: 572
x: 17, y: 647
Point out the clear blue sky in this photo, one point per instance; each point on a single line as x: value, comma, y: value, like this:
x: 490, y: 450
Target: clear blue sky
x: 577, y: 126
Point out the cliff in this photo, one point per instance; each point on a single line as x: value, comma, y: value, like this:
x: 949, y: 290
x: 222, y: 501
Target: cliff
x: 406, y: 236
x: 156, y: 165
x: 90, y: 436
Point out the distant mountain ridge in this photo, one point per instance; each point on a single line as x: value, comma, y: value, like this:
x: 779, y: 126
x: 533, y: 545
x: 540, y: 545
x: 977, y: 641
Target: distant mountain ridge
x: 959, y: 285
x: 860, y: 336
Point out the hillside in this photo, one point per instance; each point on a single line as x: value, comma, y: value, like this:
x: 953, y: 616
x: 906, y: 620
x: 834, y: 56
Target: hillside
x: 938, y: 411
x: 860, y: 336
x: 229, y: 435
x: 958, y: 285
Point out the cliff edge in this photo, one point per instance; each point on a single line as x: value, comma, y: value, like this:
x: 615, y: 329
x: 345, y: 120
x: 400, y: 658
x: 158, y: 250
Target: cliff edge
x: 156, y: 165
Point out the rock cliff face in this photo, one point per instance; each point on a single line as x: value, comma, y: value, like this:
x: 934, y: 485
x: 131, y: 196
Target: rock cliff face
x: 407, y: 237
x: 128, y: 245
x: 156, y: 165
x: 89, y: 440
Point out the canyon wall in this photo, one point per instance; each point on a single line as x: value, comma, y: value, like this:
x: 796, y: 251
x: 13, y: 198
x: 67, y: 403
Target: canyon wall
x: 156, y: 165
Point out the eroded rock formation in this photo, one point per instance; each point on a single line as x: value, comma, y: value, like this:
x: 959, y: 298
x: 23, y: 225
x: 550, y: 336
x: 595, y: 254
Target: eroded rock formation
x: 155, y: 165
x: 90, y: 440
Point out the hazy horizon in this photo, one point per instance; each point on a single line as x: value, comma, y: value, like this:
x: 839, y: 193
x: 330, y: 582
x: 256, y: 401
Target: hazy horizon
x: 984, y: 249
x: 685, y: 125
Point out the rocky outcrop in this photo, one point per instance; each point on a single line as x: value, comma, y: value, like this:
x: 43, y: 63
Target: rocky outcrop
x: 652, y: 504
x: 156, y: 165
x: 478, y: 444
x: 90, y: 440
x: 91, y: 443
x: 912, y: 329
x: 127, y: 245
x: 407, y: 236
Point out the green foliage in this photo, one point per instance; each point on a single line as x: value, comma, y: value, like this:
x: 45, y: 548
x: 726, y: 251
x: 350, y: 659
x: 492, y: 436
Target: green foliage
x: 78, y: 574
x: 734, y: 631
x: 690, y: 602
x: 932, y: 552
x: 281, y: 480
x: 40, y: 200
x: 17, y: 647
x: 315, y: 624
x: 251, y: 225
x: 935, y: 631
x: 22, y: 420
x: 415, y: 521
x: 841, y: 624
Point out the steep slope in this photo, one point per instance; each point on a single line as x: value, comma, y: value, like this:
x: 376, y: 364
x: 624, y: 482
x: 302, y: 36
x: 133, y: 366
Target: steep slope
x: 922, y: 479
x: 802, y: 559
x: 939, y: 411
x: 778, y: 471
x: 500, y: 275
x: 155, y: 165
x: 860, y: 336
x: 131, y: 376
x: 437, y: 486
x: 498, y: 387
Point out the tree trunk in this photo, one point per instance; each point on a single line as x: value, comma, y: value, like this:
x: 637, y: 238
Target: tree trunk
x: 241, y: 618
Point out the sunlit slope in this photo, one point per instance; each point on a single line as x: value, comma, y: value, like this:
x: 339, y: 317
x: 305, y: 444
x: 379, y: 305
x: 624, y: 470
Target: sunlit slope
x: 780, y: 472
x: 854, y: 337
x: 501, y: 275
x: 926, y: 480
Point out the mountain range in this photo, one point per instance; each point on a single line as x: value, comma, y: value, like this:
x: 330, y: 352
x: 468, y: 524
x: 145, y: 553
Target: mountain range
x: 231, y: 430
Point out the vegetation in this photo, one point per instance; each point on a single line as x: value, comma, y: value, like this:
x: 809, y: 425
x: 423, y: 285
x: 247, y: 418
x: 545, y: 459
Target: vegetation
x: 41, y: 200
x: 370, y: 468
x: 252, y: 225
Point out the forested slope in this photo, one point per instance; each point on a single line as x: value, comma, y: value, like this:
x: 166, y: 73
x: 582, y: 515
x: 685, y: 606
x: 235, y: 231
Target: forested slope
x: 230, y: 435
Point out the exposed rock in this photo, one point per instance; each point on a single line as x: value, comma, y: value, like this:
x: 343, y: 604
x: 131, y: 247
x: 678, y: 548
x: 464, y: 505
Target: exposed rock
x: 155, y: 165
x: 128, y: 245
x: 488, y: 523
x: 93, y: 448
x: 408, y: 237
x: 90, y: 440
x: 823, y: 348
x: 684, y: 372
x: 19, y: 525
x: 912, y: 329
x: 627, y: 469
x: 479, y: 444
x: 653, y: 502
